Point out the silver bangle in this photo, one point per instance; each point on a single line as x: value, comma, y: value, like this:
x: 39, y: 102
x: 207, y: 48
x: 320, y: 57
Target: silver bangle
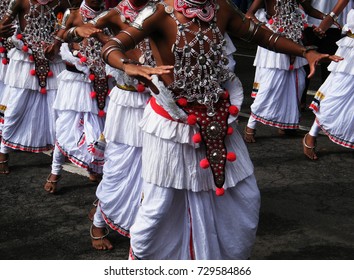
x: 118, y: 43
x: 72, y: 36
x: 130, y: 36
x: 333, y: 16
x: 108, y: 51
x: 58, y: 38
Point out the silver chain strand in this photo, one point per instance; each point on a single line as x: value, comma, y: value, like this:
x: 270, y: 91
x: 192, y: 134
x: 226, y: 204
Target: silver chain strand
x: 288, y: 20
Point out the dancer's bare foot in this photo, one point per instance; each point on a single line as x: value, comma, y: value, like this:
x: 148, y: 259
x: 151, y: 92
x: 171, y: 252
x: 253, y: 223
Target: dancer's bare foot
x: 4, y: 164
x: 249, y: 135
x: 309, y: 145
x: 99, y: 238
x: 51, y: 185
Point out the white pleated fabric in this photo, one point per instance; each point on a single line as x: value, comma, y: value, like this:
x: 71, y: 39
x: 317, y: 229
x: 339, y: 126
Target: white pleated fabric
x: 3, y: 103
x: 29, y: 120
x: 78, y: 126
x: 277, y: 100
x: 181, y: 224
x: 335, y: 112
x: 120, y: 190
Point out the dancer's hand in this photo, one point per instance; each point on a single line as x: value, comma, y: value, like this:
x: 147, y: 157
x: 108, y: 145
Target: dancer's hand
x: 145, y: 73
x: 7, y: 30
x: 87, y: 31
x: 313, y: 58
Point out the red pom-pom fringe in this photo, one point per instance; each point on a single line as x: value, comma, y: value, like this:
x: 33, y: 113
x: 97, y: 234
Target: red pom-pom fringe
x: 93, y: 94
x: 182, y: 102
x: 197, y: 138
x: 43, y: 90
x: 231, y: 156
x: 50, y: 74
x: 33, y: 72
x: 19, y: 36
x: 25, y: 48
x: 31, y: 57
x: 192, y: 119
x: 2, y: 50
x: 233, y: 110
x: 204, y: 163
x: 83, y: 59
x: 91, y: 77
x: 219, y: 191
x: 4, y: 61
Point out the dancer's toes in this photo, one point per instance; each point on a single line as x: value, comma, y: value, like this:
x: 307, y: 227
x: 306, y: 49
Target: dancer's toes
x: 309, y: 146
x: 99, y: 238
x: 51, y: 184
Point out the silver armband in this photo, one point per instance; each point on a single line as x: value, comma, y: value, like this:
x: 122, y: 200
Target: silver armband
x: 144, y: 14
x: 96, y: 19
x: 72, y: 36
x: 252, y: 31
x: 65, y: 19
x: 118, y: 46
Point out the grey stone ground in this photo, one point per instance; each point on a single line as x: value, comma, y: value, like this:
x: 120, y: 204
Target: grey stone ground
x: 307, y: 207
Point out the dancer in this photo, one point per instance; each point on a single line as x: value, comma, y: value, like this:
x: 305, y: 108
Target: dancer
x: 31, y: 78
x: 187, y: 130
x: 279, y: 78
x: 333, y: 102
x: 81, y: 99
x: 5, y: 32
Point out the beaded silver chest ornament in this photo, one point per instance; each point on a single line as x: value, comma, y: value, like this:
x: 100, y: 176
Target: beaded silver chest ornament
x: 90, y: 55
x: 40, y: 26
x: 288, y: 20
x: 200, y: 70
x: 5, y: 45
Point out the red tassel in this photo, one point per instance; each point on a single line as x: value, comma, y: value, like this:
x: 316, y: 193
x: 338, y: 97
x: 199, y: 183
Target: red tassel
x: 50, y: 74
x: 25, y: 48
x: 91, y: 77
x: 140, y: 88
x: 219, y: 191
x: 101, y: 113
x: 231, y: 156
x: 230, y: 130
x: 192, y: 119
x: 291, y: 67
x: 197, y: 138
x: 83, y: 59
x: 43, y: 90
x: 204, y: 163
x: 31, y: 57
x: 225, y: 95
x: 93, y: 94
x: 182, y: 102
x: 4, y: 61
x: 33, y: 72
x: 2, y: 50
x: 19, y: 36
x: 233, y: 110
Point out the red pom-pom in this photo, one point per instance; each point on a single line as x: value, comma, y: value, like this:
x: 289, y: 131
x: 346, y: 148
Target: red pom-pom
x: 182, y: 102
x: 101, y: 113
x: 2, y: 50
x: 19, y: 36
x: 204, y: 163
x: 281, y: 29
x: 4, y: 61
x: 91, y: 77
x: 140, y: 88
x: 50, y: 73
x: 79, y: 55
x: 31, y: 57
x: 25, y: 48
x: 306, y: 25
x: 197, y: 138
x: 271, y: 21
x: 225, y: 95
x: 291, y: 67
x: 43, y: 90
x: 230, y: 130
x: 219, y: 191
x: 231, y: 156
x: 93, y: 94
x: 33, y: 72
x: 233, y: 110
x: 192, y: 119
x: 83, y: 59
